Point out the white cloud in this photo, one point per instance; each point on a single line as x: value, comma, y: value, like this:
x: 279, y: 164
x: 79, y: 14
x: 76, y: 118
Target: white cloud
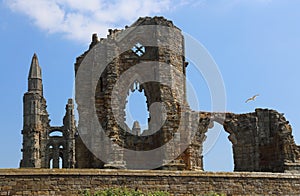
x: 78, y: 19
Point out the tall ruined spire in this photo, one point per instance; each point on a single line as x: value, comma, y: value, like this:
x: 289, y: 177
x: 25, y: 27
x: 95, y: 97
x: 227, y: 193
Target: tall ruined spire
x: 35, y: 76
x: 35, y: 119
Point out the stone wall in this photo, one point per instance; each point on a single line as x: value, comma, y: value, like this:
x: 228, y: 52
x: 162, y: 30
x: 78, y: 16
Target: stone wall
x: 262, y: 141
x: 72, y: 181
x: 148, y: 57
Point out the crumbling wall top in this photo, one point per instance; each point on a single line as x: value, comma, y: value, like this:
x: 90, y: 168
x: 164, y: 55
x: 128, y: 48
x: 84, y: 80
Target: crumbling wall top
x: 157, y: 20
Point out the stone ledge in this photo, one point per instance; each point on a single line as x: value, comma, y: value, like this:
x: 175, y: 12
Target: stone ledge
x: 112, y: 172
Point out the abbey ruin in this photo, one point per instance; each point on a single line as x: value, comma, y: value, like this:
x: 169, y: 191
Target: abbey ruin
x: 262, y: 140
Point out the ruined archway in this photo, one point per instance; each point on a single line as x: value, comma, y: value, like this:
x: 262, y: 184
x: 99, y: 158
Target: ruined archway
x: 136, y: 110
x: 110, y: 107
x: 57, y: 148
x: 219, y: 156
x: 261, y: 140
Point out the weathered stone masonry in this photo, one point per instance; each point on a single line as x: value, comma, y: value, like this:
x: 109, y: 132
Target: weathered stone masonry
x: 39, y: 146
x: 262, y: 141
x: 179, y: 183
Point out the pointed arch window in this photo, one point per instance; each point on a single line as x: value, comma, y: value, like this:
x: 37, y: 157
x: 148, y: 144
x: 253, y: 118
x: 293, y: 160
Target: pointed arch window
x: 136, y: 106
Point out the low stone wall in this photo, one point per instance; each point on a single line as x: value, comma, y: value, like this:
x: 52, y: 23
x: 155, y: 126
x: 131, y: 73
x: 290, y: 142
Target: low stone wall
x: 72, y: 181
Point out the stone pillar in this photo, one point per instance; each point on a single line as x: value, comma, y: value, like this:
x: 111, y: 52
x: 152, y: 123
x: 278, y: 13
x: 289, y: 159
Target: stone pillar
x: 136, y: 128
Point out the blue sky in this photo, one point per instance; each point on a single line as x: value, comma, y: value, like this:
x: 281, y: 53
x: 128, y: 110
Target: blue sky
x: 255, y: 44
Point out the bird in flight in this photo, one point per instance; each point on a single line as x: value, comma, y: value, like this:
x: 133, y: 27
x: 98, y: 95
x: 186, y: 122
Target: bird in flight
x: 251, y: 98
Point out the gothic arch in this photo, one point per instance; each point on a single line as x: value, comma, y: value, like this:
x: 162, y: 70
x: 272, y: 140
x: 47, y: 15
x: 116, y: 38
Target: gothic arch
x: 213, y: 136
x: 57, y: 129
x: 223, y: 119
x: 56, y: 147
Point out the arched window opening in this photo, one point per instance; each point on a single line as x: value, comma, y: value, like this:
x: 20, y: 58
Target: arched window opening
x: 56, y: 133
x: 51, y: 164
x: 60, y: 163
x: 217, y: 150
x: 136, y: 107
x: 56, y: 164
x: 50, y: 147
x: 61, y: 147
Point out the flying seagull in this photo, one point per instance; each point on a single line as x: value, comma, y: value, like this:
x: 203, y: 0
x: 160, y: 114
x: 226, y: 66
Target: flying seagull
x: 251, y: 98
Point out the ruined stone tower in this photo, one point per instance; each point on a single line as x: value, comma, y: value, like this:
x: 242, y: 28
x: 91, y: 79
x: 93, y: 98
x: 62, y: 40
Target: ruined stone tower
x: 35, y: 117
x: 45, y: 146
x: 157, y: 54
x: 148, y: 56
